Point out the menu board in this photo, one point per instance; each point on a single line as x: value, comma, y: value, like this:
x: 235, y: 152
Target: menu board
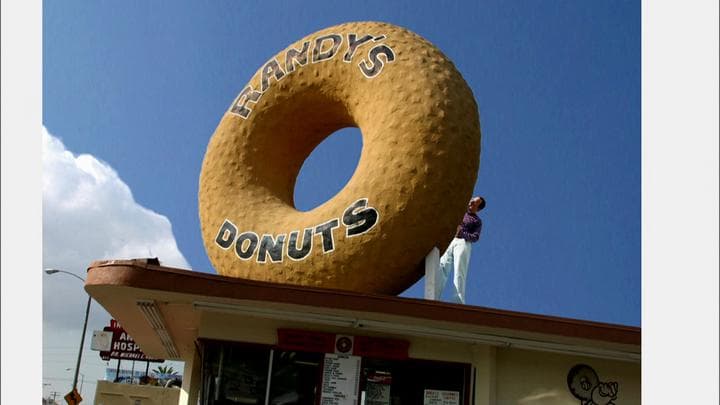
x: 438, y: 397
x: 341, y: 378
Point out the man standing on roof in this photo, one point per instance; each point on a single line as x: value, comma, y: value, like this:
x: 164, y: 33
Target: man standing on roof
x: 457, y: 255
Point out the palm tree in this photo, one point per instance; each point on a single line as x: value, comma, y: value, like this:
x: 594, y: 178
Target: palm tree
x: 164, y: 370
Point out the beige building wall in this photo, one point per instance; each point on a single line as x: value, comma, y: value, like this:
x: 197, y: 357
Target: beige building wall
x: 109, y: 393
x: 191, y: 385
x: 527, y: 377
x: 264, y: 331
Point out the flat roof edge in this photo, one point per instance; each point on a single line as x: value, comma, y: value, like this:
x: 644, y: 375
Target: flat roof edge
x: 149, y: 274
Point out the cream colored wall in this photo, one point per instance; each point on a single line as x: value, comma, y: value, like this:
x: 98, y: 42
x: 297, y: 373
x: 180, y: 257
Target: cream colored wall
x: 525, y: 377
x: 190, y: 389
x: 264, y: 331
x: 109, y: 393
x: 222, y: 326
x: 485, y: 365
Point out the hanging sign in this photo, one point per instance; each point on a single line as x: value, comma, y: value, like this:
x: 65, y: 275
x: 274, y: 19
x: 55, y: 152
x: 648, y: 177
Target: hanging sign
x: 122, y: 346
x: 101, y: 341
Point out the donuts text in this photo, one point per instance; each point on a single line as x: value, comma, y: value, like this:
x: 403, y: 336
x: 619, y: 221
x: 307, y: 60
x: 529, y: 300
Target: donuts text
x: 357, y: 219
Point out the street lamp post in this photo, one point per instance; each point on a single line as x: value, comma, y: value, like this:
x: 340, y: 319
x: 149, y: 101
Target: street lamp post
x: 87, y: 312
x: 82, y: 379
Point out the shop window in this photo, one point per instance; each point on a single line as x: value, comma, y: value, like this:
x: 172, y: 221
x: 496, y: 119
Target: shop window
x: 295, y: 378
x: 234, y: 373
x: 404, y: 382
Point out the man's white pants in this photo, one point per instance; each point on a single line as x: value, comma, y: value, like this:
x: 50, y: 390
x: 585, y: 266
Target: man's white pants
x: 456, y: 258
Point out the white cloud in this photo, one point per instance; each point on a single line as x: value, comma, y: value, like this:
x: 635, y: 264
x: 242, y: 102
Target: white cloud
x: 88, y: 214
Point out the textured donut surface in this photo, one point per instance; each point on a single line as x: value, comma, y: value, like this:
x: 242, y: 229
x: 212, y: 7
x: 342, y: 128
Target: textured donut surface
x: 418, y: 165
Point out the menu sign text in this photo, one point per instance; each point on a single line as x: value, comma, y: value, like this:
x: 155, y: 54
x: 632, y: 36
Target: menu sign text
x: 341, y: 379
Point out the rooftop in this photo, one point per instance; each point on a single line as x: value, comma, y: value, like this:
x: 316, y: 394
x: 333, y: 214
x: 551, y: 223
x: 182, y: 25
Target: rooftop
x: 162, y: 308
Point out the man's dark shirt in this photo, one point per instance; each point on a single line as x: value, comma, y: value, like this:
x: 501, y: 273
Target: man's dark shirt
x: 470, y: 228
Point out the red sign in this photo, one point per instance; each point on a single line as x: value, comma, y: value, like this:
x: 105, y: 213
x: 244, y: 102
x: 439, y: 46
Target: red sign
x: 365, y: 346
x: 123, y: 346
x: 300, y: 340
x: 381, y: 347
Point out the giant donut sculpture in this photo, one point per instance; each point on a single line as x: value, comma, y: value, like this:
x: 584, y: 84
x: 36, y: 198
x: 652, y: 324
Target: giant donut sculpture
x: 419, y: 162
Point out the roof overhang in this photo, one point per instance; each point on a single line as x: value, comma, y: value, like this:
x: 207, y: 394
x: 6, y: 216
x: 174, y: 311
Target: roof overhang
x: 162, y: 309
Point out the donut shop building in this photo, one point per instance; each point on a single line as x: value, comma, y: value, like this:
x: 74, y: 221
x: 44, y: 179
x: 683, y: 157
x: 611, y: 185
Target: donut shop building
x: 252, y: 342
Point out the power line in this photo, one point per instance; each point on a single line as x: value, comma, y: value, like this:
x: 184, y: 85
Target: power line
x: 68, y: 379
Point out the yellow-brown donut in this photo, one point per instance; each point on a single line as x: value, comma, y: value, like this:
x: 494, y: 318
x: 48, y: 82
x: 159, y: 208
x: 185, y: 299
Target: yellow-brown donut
x: 419, y: 161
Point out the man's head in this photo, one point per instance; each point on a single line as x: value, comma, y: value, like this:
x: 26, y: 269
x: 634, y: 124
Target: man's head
x: 476, y: 204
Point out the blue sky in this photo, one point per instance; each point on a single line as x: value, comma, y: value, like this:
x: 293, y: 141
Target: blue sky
x: 142, y: 87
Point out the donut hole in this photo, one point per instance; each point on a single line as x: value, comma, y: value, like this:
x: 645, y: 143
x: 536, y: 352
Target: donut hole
x: 284, y: 132
x: 328, y: 168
